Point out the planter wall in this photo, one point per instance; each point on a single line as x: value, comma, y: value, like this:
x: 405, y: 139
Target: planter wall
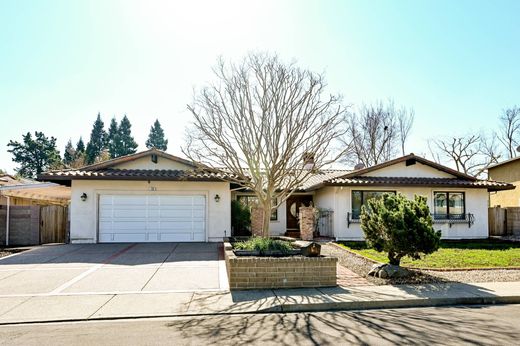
x: 248, y: 272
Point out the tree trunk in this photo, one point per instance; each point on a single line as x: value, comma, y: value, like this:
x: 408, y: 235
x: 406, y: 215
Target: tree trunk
x: 267, y: 218
x: 394, y: 258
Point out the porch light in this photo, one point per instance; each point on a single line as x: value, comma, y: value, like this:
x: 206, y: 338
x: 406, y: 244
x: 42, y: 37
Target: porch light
x: 84, y: 197
x: 217, y: 198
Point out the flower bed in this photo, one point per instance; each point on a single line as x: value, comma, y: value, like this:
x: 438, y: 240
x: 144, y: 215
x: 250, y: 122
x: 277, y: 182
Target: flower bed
x: 290, y: 271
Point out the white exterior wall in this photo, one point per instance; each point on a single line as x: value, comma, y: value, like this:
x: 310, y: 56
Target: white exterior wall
x: 84, y: 215
x: 339, y: 199
x: 417, y: 170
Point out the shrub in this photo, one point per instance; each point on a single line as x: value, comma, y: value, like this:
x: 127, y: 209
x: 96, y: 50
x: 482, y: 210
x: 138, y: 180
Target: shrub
x: 263, y: 245
x: 399, y: 226
x: 240, y: 218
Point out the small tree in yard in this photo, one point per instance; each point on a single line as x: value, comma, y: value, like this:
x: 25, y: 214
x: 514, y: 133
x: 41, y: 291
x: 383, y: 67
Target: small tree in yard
x: 268, y: 124
x: 399, y: 226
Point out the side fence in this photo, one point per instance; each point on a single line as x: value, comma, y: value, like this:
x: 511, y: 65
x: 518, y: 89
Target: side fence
x: 33, y: 225
x: 504, y: 221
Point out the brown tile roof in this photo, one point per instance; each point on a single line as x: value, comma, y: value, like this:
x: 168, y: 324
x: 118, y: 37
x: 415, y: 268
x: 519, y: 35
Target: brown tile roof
x: 410, y: 181
x: 134, y: 174
x: 320, y: 177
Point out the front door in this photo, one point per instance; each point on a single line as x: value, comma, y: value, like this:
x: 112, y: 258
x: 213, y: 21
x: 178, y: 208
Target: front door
x: 293, y: 210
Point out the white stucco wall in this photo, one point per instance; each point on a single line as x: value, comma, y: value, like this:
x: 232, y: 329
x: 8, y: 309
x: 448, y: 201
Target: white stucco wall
x: 339, y: 199
x: 418, y: 170
x: 83, y: 215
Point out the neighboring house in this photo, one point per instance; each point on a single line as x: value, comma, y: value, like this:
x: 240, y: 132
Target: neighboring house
x: 153, y: 196
x: 31, y: 212
x: 508, y: 171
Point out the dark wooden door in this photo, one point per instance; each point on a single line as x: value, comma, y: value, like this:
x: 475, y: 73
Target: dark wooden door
x: 293, y: 209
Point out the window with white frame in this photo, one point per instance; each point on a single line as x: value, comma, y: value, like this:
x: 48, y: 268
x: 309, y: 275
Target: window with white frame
x: 449, y: 205
x: 360, y: 198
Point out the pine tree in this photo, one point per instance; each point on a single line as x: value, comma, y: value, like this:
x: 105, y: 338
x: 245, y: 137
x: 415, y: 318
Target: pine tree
x: 35, y: 155
x: 127, y: 142
x: 156, y: 137
x: 113, y: 139
x: 97, y: 140
x: 80, y: 147
x: 69, y: 154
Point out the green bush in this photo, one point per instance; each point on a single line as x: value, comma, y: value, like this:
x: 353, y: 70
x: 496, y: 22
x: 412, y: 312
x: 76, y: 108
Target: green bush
x: 399, y: 226
x: 263, y: 245
x: 240, y: 218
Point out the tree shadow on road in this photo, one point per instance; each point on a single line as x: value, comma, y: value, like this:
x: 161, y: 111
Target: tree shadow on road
x: 461, y: 325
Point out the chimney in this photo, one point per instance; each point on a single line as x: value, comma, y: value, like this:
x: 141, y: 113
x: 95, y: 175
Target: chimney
x: 308, y: 160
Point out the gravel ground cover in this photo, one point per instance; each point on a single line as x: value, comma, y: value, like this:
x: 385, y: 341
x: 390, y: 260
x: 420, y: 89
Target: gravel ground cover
x: 9, y: 251
x: 361, y: 265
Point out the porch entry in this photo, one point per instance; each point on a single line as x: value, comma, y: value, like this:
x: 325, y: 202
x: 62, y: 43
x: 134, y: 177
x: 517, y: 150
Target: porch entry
x: 293, y: 210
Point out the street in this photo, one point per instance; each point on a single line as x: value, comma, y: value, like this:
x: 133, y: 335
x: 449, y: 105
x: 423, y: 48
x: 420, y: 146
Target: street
x: 493, y: 325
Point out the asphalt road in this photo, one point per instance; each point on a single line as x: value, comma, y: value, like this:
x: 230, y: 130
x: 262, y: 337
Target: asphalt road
x: 493, y: 325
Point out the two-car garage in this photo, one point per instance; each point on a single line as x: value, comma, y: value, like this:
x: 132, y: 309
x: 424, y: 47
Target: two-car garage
x: 151, y: 218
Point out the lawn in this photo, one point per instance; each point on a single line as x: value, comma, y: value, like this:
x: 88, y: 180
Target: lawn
x: 461, y: 254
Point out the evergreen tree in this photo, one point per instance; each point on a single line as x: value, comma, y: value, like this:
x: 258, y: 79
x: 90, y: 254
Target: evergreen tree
x: 127, y: 142
x: 399, y: 227
x: 80, y: 147
x: 156, y: 137
x: 35, y: 155
x: 113, y: 139
x: 97, y: 140
x: 69, y: 154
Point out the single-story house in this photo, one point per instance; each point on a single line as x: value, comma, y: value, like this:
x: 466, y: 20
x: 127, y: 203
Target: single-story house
x: 153, y: 196
x: 508, y: 171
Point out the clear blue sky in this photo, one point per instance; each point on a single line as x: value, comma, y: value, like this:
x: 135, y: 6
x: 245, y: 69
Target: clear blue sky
x: 457, y: 63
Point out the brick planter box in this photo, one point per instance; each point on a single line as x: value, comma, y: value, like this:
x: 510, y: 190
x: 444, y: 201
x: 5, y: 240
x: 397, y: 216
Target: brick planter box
x: 247, y: 272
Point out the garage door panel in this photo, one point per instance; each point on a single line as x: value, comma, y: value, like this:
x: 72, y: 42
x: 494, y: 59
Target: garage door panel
x: 176, y: 237
x: 129, y: 237
x: 143, y: 218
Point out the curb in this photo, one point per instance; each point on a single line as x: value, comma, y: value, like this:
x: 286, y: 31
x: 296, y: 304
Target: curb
x: 318, y: 307
x: 394, y: 304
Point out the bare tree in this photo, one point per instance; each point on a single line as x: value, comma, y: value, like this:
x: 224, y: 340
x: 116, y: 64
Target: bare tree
x: 405, y: 120
x: 266, y: 123
x: 471, y: 154
x: 376, y: 133
x: 509, y: 132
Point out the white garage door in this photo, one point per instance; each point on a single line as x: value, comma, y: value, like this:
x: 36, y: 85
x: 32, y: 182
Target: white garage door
x: 147, y: 218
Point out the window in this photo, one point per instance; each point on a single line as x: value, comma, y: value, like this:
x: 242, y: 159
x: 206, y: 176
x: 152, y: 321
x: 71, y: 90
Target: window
x: 449, y: 205
x: 359, y: 198
x: 251, y: 201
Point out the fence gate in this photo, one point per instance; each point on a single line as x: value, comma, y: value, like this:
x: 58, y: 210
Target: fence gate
x: 53, y: 224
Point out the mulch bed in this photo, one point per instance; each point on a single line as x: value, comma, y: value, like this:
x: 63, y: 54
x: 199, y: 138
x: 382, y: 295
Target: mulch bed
x: 361, y: 266
x: 10, y: 251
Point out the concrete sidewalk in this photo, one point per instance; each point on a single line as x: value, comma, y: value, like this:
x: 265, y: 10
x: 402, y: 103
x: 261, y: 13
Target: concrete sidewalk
x: 70, y: 307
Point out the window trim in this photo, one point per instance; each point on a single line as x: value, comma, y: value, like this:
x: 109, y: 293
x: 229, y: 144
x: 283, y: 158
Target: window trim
x: 274, y: 213
x: 448, y: 215
x: 363, y: 199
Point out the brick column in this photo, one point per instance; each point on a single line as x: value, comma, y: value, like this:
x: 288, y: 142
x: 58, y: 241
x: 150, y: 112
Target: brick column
x: 257, y: 221
x: 307, y: 223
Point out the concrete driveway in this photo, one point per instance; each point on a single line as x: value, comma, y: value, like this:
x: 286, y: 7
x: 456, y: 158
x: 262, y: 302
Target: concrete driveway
x: 113, y: 269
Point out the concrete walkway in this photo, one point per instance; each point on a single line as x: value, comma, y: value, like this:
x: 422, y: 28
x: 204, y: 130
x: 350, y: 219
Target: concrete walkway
x: 70, y: 306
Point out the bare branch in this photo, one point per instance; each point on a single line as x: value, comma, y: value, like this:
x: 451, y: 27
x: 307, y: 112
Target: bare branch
x: 509, y: 132
x: 375, y: 133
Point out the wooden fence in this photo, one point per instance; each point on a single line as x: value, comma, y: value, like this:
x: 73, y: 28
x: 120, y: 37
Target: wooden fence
x: 32, y: 225
x: 504, y: 221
